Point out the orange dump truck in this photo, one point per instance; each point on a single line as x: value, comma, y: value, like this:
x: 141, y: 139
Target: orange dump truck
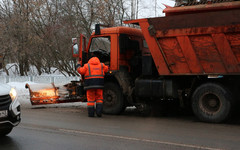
x: 190, y: 57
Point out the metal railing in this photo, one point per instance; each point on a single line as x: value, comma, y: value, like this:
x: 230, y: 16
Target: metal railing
x: 38, y: 79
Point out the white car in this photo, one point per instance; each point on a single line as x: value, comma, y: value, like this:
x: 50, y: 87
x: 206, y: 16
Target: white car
x: 9, y: 109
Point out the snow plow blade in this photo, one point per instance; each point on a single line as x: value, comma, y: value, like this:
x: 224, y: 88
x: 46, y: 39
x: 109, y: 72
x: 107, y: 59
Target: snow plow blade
x: 56, y: 93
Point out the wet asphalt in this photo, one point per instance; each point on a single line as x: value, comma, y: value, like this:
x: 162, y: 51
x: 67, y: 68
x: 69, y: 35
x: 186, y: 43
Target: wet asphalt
x: 71, y: 129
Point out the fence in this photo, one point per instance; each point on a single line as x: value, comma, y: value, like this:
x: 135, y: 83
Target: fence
x: 38, y: 79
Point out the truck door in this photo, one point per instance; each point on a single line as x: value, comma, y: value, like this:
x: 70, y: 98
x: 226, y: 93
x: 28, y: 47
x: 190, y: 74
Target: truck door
x: 79, y: 51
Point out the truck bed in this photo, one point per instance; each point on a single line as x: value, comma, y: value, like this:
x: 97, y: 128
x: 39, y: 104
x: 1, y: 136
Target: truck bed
x: 195, y: 44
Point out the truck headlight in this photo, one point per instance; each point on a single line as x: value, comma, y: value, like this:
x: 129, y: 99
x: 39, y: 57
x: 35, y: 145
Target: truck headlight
x: 13, y: 94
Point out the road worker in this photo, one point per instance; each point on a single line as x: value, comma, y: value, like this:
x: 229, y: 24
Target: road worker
x: 94, y: 72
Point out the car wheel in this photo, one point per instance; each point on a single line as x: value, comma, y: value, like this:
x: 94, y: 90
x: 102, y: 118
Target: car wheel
x: 5, y: 131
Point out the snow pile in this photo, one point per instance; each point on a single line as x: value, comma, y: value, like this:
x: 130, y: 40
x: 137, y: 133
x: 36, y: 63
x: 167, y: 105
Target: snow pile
x: 24, y: 97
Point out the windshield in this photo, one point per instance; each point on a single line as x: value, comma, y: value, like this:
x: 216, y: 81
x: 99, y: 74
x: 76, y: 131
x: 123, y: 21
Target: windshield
x: 100, y: 43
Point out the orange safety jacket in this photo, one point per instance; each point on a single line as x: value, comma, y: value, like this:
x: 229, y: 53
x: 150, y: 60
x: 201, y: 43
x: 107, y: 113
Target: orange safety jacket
x: 94, y: 72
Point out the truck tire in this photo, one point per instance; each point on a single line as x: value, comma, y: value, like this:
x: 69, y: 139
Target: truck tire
x: 113, y: 102
x: 212, y: 103
x: 5, y: 131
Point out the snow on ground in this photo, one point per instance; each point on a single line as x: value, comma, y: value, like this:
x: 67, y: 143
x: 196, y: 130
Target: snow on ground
x: 23, y: 93
x: 24, y: 97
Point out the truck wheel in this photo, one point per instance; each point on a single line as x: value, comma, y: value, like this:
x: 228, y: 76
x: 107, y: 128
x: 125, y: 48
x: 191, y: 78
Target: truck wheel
x: 211, y: 102
x: 113, y: 99
x: 5, y: 131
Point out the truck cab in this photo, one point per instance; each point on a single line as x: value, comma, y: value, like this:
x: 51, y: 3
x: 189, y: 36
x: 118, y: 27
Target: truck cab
x: 114, y: 46
x: 122, y: 49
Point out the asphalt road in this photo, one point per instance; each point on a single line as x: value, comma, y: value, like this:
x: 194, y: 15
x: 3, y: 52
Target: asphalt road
x: 71, y: 129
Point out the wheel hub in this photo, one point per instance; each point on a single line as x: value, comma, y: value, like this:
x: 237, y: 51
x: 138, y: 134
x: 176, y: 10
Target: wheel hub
x: 210, y: 103
x: 110, y: 98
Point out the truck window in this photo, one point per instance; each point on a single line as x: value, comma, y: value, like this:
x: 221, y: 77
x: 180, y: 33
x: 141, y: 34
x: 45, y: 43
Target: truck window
x: 100, y: 43
x: 126, y: 44
x: 75, y: 46
x: 100, y: 47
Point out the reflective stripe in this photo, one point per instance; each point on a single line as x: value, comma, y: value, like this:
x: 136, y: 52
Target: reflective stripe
x: 90, y: 75
x: 94, y: 76
x: 102, y: 68
x: 86, y: 87
x: 99, y: 101
x: 89, y: 70
x: 90, y: 104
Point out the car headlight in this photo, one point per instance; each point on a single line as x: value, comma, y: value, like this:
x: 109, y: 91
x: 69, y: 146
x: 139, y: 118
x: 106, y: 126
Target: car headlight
x: 13, y: 94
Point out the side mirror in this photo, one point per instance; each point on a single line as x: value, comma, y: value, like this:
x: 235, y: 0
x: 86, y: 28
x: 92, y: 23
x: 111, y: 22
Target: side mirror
x: 75, y: 50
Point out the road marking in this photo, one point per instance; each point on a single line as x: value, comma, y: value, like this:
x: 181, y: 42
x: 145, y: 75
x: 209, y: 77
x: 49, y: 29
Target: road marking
x: 138, y: 139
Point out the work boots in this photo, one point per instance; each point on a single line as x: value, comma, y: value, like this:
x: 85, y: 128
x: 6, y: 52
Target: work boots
x: 99, y: 108
x: 90, y: 111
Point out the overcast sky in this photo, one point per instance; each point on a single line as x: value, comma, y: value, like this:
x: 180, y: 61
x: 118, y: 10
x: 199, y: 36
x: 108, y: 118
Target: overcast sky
x: 147, y: 8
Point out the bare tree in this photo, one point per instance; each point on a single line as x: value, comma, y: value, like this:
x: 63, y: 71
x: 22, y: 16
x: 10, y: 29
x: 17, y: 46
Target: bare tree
x: 39, y: 33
